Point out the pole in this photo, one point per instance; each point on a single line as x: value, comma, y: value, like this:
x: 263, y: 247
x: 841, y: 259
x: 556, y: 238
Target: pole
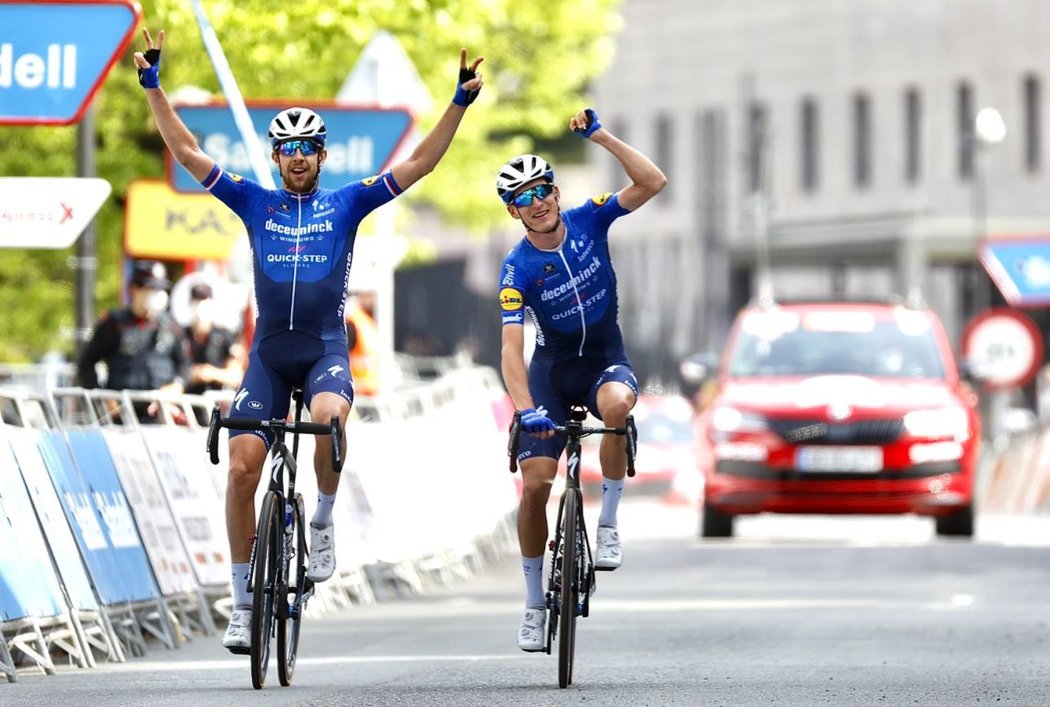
x: 256, y: 154
x: 85, y: 263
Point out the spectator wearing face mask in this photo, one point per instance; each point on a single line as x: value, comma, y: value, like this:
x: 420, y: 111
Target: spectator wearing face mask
x: 215, y: 351
x: 142, y: 346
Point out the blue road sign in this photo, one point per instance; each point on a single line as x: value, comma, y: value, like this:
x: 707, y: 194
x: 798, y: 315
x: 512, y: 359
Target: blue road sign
x: 1020, y: 268
x: 54, y: 56
x: 360, y: 140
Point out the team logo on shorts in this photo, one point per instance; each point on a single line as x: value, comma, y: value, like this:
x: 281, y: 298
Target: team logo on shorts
x: 601, y: 198
x: 510, y: 299
x: 369, y: 181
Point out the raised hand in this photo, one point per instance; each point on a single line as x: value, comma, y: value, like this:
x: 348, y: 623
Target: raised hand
x: 585, y: 123
x: 470, y: 81
x: 148, y: 63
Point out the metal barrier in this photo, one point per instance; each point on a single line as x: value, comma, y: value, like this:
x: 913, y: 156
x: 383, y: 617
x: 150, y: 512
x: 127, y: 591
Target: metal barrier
x: 120, y: 524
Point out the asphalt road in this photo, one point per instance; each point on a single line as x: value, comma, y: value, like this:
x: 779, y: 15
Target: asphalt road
x: 793, y: 611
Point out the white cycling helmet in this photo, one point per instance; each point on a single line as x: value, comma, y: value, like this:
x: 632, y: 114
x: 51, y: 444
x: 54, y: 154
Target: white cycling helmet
x: 296, y: 123
x: 520, y: 171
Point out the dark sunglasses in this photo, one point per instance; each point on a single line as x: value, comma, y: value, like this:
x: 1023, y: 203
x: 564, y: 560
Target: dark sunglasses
x: 540, y: 191
x: 307, y: 147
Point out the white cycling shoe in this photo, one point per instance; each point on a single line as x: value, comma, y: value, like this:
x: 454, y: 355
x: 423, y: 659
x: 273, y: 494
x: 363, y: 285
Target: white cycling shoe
x: 609, y: 554
x: 238, y: 638
x: 532, y: 634
x: 322, y: 553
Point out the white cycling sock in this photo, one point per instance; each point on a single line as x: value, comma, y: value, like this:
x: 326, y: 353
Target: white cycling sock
x: 533, y: 568
x: 323, y: 512
x: 612, y: 490
x: 242, y: 598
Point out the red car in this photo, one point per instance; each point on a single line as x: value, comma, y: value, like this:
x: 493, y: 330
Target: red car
x: 844, y: 408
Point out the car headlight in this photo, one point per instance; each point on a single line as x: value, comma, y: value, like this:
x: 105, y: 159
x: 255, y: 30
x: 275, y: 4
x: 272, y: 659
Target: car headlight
x: 729, y: 419
x: 942, y: 422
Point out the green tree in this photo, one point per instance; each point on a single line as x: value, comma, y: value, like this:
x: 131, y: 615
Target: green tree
x: 539, y: 57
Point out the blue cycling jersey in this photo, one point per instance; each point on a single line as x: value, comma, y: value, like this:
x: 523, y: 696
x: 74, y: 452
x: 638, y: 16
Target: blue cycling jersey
x: 302, y: 247
x: 569, y: 292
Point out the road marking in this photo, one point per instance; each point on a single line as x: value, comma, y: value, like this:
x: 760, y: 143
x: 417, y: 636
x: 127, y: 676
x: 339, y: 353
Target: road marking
x: 242, y: 663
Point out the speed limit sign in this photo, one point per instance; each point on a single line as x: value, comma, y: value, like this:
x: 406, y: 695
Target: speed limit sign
x: 1003, y: 347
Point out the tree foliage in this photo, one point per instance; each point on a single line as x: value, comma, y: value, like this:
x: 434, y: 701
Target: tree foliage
x: 539, y: 57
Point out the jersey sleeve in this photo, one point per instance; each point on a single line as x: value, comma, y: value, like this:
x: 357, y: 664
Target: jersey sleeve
x: 512, y: 293
x: 369, y: 194
x: 233, y: 190
x: 605, y: 208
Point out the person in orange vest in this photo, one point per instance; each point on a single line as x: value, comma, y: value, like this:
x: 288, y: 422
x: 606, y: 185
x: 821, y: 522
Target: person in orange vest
x: 362, y: 335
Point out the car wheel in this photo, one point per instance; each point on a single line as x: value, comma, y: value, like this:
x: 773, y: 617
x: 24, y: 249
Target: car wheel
x: 715, y: 524
x: 956, y: 524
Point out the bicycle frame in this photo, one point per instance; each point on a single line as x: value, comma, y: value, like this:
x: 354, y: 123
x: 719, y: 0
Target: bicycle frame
x: 280, y: 537
x: 569, y: 596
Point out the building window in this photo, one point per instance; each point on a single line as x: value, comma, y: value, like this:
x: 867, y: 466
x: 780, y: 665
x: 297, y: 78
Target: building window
x: 965, y: 116
x: 912, y: 135
x: 711, y: 158
x: 665, y: 151
x: 1033, y: 136
x: 861, y: 140
x: 810, y: 146
x: 757, y: 146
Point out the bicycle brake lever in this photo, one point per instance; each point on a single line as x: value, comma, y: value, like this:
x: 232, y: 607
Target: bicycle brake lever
x: 513, y: 443
x: 213, y: 436
x: 337, y: 443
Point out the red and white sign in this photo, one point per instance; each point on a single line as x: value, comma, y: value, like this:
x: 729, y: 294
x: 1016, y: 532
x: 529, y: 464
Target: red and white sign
x: 1003, y: 347
x: 48, y: 212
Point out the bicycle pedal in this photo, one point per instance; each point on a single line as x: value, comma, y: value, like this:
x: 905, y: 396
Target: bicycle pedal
x: 240, y: 651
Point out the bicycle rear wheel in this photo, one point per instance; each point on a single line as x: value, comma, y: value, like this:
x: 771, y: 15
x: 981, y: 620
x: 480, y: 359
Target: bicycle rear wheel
x: 288, y: 630
x: 264, y: 579
x: 568, y: 596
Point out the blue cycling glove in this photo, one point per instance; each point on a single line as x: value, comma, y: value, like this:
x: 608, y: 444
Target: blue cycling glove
x: 533, y: 421
x: 150, y: 78
x: 592, y: 124
x: 464, y: 97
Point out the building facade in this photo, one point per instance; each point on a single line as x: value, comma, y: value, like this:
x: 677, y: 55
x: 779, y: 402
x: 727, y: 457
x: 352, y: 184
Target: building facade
x: 831, y: 140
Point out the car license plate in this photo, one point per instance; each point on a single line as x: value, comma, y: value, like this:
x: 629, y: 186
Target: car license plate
x: 832, y: 459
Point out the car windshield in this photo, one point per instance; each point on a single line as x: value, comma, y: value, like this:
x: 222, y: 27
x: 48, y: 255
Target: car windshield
x: 836, y: 342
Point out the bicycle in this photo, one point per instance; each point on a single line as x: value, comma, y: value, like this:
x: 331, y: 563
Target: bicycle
x: 280, y: 539
x: 571, y: 581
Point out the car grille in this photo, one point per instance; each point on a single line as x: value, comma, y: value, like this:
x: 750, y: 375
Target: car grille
x: 821, y: 432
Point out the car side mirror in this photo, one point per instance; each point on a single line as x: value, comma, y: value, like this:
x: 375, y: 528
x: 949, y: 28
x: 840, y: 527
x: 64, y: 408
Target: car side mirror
x: 695, y: 370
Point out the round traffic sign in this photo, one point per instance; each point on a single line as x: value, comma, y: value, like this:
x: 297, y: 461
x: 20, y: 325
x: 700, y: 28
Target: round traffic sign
x: 1003, y: 347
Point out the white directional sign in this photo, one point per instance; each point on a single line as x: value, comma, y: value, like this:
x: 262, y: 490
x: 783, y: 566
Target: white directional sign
x: 47, y: 212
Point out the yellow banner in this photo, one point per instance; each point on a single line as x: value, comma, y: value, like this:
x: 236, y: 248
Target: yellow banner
x: 162, y: 223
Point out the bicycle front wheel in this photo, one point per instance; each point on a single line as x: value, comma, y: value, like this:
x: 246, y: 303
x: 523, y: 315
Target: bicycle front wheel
x: 267, y: 541
x: 569, y: 588
x: 288, y: 630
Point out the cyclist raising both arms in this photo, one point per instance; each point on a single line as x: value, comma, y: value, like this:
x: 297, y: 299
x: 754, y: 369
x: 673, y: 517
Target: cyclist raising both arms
x: 562, y: 276
x: 302, y: 239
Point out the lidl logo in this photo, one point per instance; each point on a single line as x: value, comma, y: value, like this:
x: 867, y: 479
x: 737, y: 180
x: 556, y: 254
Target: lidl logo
x: 510, y: 299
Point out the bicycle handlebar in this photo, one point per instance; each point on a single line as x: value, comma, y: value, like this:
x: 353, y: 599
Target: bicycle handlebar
x: 630, y: 431
x: 245, y: 423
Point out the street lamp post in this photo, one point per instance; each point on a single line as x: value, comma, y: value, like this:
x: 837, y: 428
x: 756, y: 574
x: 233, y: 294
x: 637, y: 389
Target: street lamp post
x: 989, y: 130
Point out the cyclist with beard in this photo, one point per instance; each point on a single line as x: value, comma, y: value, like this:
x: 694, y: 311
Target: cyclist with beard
x: 561, y: 275
x: 302, y: 239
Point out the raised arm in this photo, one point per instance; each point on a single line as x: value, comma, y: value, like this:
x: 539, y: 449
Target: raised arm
x: 432, y: 148
x: 646, y: 178
x: 176, y: 135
